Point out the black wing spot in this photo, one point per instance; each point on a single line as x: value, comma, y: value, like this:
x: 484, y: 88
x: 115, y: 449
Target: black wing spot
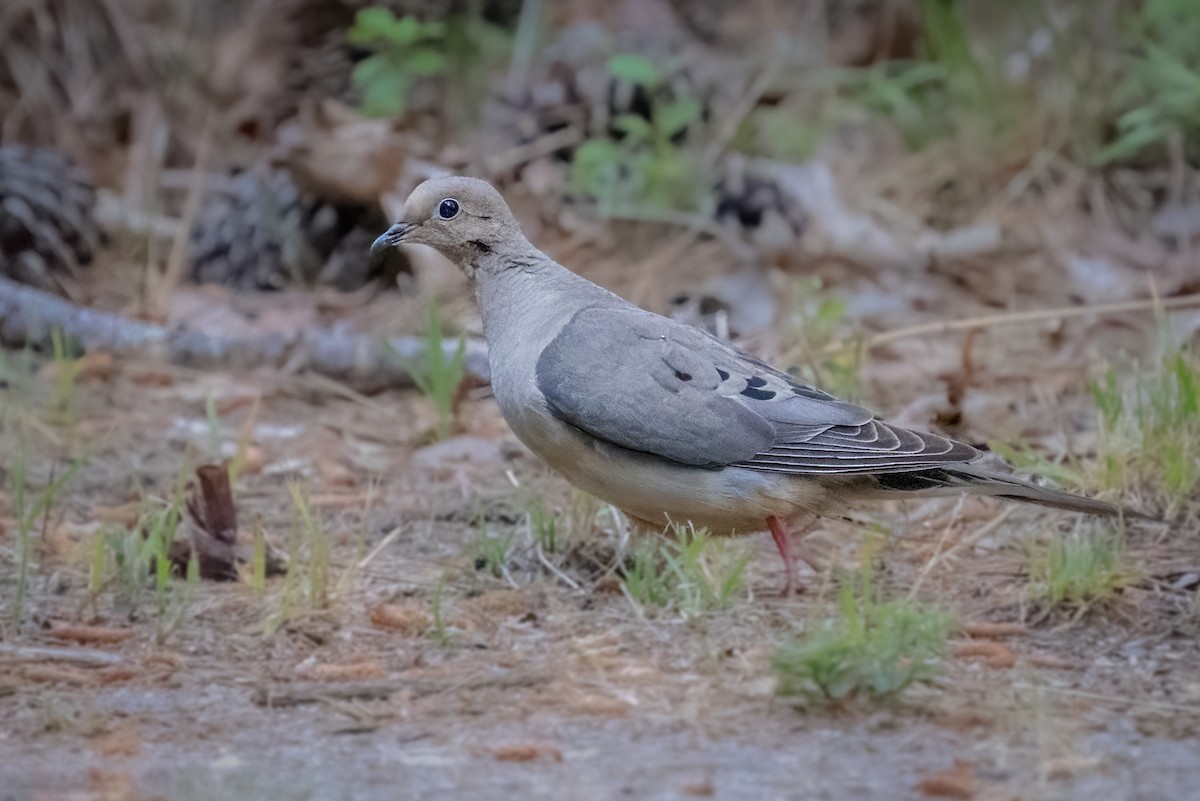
x: 724, y: 375
x: 683, y: 376
x: 758, y: 394
x: 481, y: 246
x: 756, y: 382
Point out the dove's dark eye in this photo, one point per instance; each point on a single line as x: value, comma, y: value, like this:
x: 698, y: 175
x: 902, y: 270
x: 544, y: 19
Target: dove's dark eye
x: 448, y: 208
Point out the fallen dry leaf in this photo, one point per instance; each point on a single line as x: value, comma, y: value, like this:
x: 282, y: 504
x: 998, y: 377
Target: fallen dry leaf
x: 350, y: 671
x: 407, y: 619
x: 995, y: 654
x: 336, y: 153
x: 955, y: 782
x: 983, y: 629
x: 700, y: 789
x: 334, y: 473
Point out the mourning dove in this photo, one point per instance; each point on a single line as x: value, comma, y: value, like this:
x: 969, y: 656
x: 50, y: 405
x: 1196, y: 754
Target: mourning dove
x: 661, y: 419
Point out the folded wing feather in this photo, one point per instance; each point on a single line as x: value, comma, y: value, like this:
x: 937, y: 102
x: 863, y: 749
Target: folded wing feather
x: 650, y: 384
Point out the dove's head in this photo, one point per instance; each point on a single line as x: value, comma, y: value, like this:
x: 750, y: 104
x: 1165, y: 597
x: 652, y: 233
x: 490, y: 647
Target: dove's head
x: 463, y: 218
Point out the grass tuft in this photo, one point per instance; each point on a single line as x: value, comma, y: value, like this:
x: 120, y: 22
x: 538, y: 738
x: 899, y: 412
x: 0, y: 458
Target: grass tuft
x: 1149, y: 429
x: 691, y: 572
x: 1079, y: 570
x: 873, y: 649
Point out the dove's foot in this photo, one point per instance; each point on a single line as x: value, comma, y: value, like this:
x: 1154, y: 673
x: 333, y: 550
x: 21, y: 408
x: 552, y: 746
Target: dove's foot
x: 788, y: 551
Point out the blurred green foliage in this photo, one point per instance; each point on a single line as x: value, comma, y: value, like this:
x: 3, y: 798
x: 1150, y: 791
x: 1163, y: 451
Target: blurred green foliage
x: 405, y: 50
x: 645, y: 162
x: 1160, y: 93
x: 873, y: 649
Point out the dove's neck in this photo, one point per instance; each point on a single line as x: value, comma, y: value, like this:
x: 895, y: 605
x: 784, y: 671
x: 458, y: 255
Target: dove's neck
x: 525, y: 298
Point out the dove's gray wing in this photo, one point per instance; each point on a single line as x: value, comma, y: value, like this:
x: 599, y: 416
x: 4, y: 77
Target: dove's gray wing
x: 650, y: 384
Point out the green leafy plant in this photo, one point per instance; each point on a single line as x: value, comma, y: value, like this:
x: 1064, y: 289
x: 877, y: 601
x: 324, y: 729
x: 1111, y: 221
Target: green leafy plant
x: 405, y: 50
x: 873, y: 649
x: 690, y: 571
x: 779, y: 132
x: 127, y: 559
x: 645, y: 162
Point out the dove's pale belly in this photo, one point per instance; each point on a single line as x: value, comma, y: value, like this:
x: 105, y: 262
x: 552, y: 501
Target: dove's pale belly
x: 728, y: 501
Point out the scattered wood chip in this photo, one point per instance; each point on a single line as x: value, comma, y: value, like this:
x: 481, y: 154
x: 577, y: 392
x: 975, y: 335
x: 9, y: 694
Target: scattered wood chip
x: 88, y: 634
x: 955, y: 782
x: 407, y: 619
x: 995, y: 654
x: 213, y: 530
x: 351, y: 671
x: 985, y: 630
x: 529, y: 752
x: 1050, y: 662
x: 213, y: 526
x: 701, y: 789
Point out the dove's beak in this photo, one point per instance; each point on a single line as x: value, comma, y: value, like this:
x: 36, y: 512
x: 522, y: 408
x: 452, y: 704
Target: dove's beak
x: 391, y: 237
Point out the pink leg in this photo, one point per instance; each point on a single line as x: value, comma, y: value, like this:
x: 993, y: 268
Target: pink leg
x: 790, y: 547
x: 783, y: 543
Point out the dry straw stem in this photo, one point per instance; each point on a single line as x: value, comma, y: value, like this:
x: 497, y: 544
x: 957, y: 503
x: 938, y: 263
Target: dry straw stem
x: 1013, y: 318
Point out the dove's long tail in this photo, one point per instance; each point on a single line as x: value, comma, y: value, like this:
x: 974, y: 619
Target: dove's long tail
x: 977, y: 481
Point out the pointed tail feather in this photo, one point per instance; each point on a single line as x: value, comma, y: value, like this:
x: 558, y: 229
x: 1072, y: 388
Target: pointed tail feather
x: 968, y: 478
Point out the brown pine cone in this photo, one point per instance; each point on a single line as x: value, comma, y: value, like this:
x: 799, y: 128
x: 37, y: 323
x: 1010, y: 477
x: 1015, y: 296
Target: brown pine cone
x: 47, y: 227
x: 260, y: 232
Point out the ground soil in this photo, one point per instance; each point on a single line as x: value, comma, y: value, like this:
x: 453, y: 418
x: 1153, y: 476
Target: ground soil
x: 553, y: 684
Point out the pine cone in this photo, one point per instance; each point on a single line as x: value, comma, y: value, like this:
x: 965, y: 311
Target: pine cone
x: 47, y: 230
x: 260, y: 232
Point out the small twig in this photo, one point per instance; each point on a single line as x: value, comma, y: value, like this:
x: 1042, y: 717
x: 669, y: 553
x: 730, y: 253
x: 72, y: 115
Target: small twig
x: 1012, y: 318
x: 531, y: 151
x: 385, y: 542
x: 937, y: 550
x: 695, y: 222
x: 745, y: 107
x: 33, y: 653
x: 979, y: 533
x: 570, y: 582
